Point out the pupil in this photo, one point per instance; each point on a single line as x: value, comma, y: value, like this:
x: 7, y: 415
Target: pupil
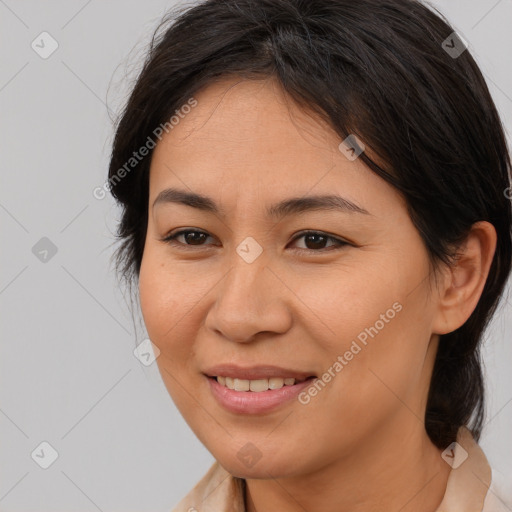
x: 193, y: 236
x: 315, y: 238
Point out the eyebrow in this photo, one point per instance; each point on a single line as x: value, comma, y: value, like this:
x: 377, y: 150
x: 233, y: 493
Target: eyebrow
x: 287, y: 207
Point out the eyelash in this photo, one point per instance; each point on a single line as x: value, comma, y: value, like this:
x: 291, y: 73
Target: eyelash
x: 171, y: 240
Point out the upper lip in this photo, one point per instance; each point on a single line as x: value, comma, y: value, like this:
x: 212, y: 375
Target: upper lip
x: 255, y: 372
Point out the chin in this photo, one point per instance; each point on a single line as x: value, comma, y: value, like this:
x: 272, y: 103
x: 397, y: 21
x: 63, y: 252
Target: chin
x: 262, y: 466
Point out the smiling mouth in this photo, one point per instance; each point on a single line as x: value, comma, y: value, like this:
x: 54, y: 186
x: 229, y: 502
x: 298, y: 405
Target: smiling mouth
x: 257, y: 385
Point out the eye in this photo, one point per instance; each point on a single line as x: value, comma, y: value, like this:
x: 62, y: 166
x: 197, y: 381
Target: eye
x: 191, y: 236
x: 314, y: 240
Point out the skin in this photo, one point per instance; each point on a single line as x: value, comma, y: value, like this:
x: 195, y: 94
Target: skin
x: 360, y: 444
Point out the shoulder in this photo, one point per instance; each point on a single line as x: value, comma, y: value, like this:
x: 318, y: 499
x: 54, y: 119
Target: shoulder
x: 499, y: 495
x: 217, y: 490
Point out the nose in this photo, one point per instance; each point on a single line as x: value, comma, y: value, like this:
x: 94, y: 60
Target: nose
x: 250, y: 300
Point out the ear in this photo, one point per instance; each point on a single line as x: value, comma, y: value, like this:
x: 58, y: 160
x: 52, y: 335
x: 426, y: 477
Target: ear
x: 464, y: 281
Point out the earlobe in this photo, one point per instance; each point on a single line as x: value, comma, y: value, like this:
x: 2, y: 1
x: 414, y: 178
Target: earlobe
x: 465, y: 279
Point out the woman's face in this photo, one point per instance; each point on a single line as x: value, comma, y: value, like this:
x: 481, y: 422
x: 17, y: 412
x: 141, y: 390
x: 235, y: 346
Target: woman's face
x: 348, y: 304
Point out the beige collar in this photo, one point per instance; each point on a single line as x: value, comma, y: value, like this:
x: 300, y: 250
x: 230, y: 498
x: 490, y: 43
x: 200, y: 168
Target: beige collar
x: 468, y: 483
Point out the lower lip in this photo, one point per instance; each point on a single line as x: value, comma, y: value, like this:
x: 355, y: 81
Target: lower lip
x: 255, y: 402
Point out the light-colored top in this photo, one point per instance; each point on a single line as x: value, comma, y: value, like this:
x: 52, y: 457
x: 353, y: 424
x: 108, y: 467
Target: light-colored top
x: 472, y: 485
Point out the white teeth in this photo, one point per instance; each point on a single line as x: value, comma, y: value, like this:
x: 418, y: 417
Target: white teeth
x: 276, y: 383
x: 242, y: 385
x: 256, y: 385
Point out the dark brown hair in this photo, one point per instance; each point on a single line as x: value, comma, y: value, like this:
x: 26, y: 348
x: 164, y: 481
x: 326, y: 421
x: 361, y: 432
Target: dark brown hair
x: 384, y: 70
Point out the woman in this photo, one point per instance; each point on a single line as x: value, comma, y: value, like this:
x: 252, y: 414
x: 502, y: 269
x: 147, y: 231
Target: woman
x: 314, y: 208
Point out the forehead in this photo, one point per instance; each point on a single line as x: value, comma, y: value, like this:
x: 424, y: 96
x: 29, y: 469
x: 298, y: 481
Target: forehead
x: 250, y: 115
x: 249, y: 139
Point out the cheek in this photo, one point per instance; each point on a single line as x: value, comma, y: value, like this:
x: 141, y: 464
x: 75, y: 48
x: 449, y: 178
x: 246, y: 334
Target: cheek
x: 345, y: 305
x: 165, y: 291
x: 164, y: 304
x: 373, y: 334
x: 162, y: 299
x: 382, y: 371
x: 171, y: 299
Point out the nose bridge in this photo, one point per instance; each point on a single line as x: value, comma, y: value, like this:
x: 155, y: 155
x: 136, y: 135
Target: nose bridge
x: 243, y: 305
x: 241, y: 287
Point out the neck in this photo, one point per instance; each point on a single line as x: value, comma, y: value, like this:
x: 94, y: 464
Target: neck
x: 395, y: 469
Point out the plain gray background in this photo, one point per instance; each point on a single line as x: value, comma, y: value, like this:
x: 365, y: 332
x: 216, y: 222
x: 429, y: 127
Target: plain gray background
x: 68, y: 373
